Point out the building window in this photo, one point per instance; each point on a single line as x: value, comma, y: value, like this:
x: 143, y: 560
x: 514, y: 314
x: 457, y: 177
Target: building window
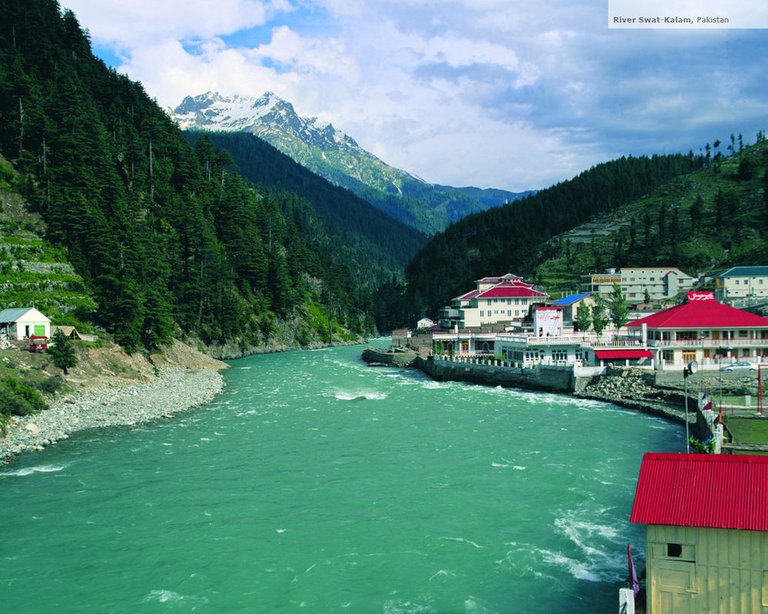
x: 674, y: 550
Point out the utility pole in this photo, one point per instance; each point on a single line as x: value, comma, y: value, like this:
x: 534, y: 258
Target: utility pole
x: 690, y: 369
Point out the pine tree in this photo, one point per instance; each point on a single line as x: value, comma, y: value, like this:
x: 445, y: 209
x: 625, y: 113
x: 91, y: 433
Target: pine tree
x: 696, y: 212
x: 62, y: 352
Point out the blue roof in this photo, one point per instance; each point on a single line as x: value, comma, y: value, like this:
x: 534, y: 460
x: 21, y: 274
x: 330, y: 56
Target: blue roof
x: 746, y: 271
x: 570, y: 300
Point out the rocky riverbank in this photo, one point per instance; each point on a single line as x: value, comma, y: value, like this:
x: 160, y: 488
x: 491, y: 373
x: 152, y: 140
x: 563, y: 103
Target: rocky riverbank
x: 635, y: 389
x: 111, y: 403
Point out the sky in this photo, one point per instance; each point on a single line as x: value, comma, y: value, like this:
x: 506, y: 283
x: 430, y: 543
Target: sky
x: 511, y: 94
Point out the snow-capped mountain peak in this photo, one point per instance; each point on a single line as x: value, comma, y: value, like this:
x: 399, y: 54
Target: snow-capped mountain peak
x: 332, y: 154
x: 266, y: 116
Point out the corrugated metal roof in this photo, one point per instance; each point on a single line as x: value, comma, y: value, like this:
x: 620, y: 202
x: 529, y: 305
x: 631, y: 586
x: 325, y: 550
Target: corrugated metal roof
x: 569, y: 300
x: 11, y: 315
x: 703, y: 490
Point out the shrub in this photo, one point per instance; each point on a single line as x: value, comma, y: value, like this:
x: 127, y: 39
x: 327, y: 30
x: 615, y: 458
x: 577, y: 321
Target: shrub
x: 20, y: 399
x: 48, y: 384
x: 4, y: 420
x: 702, y: 447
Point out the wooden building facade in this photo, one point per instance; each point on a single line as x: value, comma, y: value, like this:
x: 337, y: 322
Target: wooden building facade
x: 706, y: 534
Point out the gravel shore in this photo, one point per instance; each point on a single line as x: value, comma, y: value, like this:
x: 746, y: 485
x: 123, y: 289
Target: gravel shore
x: 174, y: 390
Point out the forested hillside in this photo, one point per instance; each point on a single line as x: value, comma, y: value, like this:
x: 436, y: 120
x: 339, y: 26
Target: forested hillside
x: 510, y: 238
x: 167, y: 238
x: 379, y: 237
x: 701, y: 222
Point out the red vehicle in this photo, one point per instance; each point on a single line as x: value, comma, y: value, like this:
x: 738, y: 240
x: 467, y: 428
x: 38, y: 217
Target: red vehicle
x: 38, y: 343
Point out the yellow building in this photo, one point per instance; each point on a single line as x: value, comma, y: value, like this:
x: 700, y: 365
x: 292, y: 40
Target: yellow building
x: 706, y: 534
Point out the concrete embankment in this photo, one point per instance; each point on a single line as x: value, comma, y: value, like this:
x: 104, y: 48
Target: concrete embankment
x: 543, y: 377
x: 378, y: 357
x: 630, y: 388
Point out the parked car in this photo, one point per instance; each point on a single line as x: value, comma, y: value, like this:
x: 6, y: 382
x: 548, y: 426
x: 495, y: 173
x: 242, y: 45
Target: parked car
x: 742, y: 365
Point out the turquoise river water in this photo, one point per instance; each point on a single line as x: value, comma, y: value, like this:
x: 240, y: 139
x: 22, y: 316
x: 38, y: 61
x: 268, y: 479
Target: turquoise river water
x: 317, y: 484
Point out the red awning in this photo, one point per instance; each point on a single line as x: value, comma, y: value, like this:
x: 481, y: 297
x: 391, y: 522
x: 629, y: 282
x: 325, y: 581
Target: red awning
x: 622, y: 354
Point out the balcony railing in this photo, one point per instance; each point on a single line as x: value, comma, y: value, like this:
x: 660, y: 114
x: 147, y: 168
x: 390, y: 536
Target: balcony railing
x: 712, y: 343
x: 583, y: 339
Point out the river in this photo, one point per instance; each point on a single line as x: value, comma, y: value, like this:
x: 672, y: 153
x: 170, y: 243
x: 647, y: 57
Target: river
x: 317, y: 484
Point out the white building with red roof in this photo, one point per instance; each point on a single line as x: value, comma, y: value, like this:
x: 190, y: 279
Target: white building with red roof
x: 496, y: 302
x: 706, y: 518
x: 704, y: 330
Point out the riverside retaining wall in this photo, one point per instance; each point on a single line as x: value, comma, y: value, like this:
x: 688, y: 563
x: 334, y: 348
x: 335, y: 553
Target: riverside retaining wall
x: 615, y: 386
x: 542, y: 377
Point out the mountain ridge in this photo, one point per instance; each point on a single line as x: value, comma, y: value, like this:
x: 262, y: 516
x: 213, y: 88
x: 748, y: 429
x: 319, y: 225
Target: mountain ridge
x: 166, y: 240
x: 337, y: 157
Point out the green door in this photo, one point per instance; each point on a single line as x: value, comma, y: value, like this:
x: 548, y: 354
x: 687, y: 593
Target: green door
x: 39, y: 330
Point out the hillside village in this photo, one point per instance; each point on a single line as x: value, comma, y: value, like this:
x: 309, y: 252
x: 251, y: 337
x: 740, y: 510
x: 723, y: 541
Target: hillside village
x: 677, y: 319
x: 639, y: 337
x: 685, y: 351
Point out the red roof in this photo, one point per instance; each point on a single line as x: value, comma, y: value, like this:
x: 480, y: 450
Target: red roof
x: 622, y: 354
x: 700, y: 310
x: 703, y: 490
x: 467, y: 296
x: 510, y: 289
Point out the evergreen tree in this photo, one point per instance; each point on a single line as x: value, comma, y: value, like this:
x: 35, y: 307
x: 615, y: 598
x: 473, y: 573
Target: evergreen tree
x: 62, y: 352
x: 719, y: 209
x: 747, y: 168
x: 765, y: 197
x: 696, y: 212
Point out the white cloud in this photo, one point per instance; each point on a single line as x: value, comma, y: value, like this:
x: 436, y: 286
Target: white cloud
x: 130, y: 23
x: 484, y: 92
x: 322, y: 56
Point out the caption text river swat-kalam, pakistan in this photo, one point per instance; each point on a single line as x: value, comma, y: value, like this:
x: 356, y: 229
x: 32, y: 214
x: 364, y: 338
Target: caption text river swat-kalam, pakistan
x: 316, y: 483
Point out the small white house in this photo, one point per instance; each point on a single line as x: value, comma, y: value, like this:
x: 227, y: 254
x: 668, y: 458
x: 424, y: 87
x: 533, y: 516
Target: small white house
x: 425, y: 323
x: 23, y: 323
